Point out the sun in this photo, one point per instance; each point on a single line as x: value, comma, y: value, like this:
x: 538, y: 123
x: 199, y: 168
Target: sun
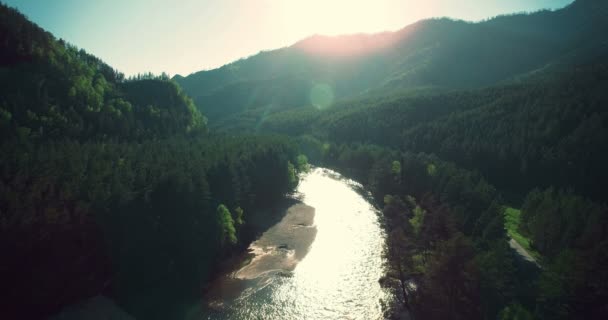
x: 333, y: 17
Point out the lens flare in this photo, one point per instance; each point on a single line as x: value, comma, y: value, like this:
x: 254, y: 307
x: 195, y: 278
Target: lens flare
x: 321, y: 95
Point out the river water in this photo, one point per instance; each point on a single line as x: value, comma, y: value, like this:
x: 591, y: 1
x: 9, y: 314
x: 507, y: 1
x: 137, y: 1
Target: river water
x: 336, y: 279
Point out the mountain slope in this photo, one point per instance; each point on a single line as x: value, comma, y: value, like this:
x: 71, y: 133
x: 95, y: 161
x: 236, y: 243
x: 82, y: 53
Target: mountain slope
x: 520, y: 136
x: 431, y: 53
x: 50, y: 89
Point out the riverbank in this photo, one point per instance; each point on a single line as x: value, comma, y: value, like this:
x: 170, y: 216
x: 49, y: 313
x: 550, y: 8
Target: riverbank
x: 276, y: 251
x: 283, y: 245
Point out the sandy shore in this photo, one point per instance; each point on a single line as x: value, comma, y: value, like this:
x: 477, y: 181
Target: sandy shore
x: 282, y: 246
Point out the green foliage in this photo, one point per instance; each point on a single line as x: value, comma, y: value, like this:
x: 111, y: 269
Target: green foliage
x: 302, y: 162
x: 557, y: 220
x: 515, y: 311
x: 557, y: 286
x: 498, y: 278
x: 292, y: 174
x: 514, y: 226
x: 5, y: 116
x: 57, y: 91
x: 451, y: 277
x: 527, y: 133
x: 568, y: 230
x: 238, y: 218
x: 388, y: 199
x: 396, y: 168
x: 226, y: 225
x: 417, y: 220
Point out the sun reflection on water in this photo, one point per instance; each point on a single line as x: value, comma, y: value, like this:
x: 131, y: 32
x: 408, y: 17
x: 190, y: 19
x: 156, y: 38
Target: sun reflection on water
x: 338, y: 279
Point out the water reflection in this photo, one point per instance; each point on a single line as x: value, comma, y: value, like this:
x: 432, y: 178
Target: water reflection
x: 338, y: 279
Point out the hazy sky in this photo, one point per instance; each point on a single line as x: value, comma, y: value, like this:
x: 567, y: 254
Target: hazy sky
x: 184, y: 36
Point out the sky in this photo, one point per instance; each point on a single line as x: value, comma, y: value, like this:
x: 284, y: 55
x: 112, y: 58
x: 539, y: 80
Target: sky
x: 185, y: 36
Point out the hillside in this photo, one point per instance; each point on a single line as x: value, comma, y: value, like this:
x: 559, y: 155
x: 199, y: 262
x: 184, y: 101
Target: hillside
x: 50, y: 89
x: 518, y: 134
x: 436, y: 53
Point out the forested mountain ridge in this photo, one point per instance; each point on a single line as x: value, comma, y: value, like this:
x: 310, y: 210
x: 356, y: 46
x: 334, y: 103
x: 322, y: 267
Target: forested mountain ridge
x: 113, y: 186
x: 435, y: 53
x: 50, y: 89
x: 519, y: 134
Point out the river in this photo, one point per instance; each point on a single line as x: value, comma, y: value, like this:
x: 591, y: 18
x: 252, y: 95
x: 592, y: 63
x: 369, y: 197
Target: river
x: 334, y: 277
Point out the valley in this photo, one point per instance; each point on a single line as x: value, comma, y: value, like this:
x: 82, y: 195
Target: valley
x: 446, y: 170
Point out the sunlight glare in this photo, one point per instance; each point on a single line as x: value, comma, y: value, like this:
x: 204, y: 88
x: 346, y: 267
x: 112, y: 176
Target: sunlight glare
x: 321, y: 95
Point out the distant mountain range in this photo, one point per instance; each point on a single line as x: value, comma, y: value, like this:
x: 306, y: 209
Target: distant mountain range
x: 434, y: 53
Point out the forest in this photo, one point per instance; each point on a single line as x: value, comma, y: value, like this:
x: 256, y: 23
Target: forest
x: 111, y: 185
x: 447, y: 233
x: 140, y: 187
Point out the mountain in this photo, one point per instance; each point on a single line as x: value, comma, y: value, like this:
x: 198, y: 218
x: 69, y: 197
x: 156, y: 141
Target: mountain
x: 519, y: 135
x: 50, y: 89
x: 435, y: 53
